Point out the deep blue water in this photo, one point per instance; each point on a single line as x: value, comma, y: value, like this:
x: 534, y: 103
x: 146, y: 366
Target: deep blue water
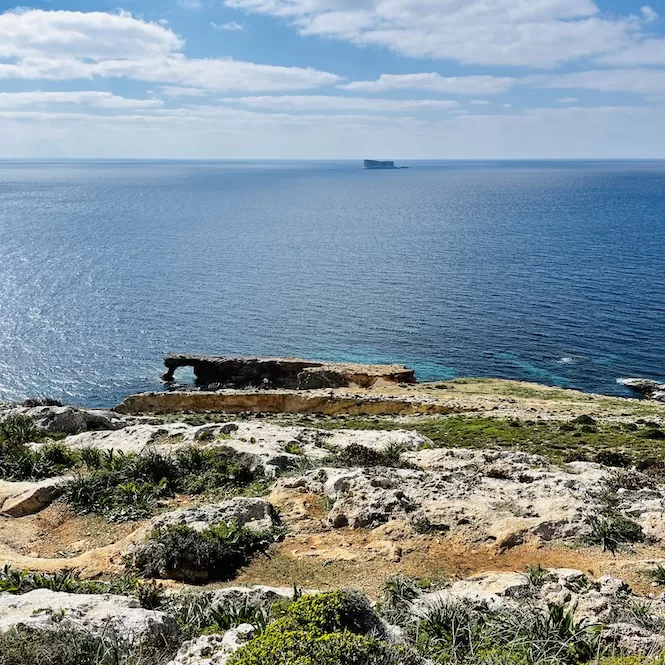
x: 545, y: 271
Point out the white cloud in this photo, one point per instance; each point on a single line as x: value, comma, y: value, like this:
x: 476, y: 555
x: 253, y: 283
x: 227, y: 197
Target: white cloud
x: 649, y: 14
x: 534, y: 33
x: 640, y: 81
x: 232, y: 26
x: 98, y: 99
x: 62, y: 45
x: 90, y: 35
x: 566, y: 100
x: 181, y: 91
x: 479, y: 102
x: 432, y: 82
x: 334, y: 103
x: 648, y: 52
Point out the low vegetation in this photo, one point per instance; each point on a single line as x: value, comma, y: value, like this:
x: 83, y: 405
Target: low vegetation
x: 130, y: 486
x: 71, y: 646
x: 182, y: 553
x: 620, y: 445
x: 149, y: 594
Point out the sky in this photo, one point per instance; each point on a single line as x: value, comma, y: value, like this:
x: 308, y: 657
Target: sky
x: 332, y: 79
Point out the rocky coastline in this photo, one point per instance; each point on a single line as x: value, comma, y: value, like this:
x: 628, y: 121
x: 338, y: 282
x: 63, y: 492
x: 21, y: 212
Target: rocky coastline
x: 367, y: 521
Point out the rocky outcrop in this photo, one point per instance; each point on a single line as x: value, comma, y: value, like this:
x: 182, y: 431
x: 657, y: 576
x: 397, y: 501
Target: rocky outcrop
x: 253, y: 513
x: 275, y: 447
x: 66, y: 419
x: 281, y: 401
x: 290, y: 373
x: 606, y: 602
x: 646, y: 387
x: 478, y: 496
x: 27, y: 498
x: 214, y: 649
x: 98, y: 614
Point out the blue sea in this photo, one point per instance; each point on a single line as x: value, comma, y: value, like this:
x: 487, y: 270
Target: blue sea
x: 551, y: 272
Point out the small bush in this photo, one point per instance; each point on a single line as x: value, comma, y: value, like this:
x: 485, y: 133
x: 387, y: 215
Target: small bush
x: 19, y: 461
x: 41, y: 401
x: 398, y: 595
x: 612, y: 530
x: 70, y: 646
x: 657, y: 574
x: 362, y: 456
x: 275, y: 647
x: 629, y: 479
x: 19, y: 429
x: 584, y: 420
x: 215, y: 553
x: 293, y: 448
x: 652, y: 434
x: 613, y: 458
x: 330, y: 612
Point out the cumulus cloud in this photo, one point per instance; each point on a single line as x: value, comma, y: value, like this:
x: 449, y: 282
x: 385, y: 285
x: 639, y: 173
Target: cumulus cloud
x: 433, y: 82
x: 333, y: 103
x: 65, y: 45
x: 534, y: 33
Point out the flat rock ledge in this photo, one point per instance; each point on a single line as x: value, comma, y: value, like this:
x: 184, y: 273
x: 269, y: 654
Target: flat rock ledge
x: 120, y: 616
x: 280, y: 401
x: 292, y: 373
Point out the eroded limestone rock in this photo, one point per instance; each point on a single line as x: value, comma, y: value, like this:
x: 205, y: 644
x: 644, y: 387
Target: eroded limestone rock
x: 99, y: 614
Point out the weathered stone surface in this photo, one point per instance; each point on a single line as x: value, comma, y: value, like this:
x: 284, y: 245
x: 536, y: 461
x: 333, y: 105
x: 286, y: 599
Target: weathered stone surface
x: 27, y: 498
x: 605, y: 601
x: 252, y: 512
x: 294, y: 373
x: 266, y: 442
x: 66, y: 419
x: 214, y: 649
x: 478, y: 496
x: 99, y: 614
x: 280, y: 401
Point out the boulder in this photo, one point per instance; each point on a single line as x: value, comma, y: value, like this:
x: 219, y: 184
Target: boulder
x: 27, y: 498
x: 71, y: 420
x: 99, y: 614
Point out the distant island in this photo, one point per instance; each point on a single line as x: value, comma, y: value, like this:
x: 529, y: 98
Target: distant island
x: 374, y: 164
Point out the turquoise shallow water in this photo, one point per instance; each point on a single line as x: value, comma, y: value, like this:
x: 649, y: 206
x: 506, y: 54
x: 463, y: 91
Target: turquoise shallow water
x: 545, y: 271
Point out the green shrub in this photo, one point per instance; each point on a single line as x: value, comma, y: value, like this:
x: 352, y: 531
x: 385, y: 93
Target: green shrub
x: 19, y: 429
x: 69, y: 646
x: 457, y: 632
x: 612, y: 530
x: 330, y: 612
x: 130, y: 486
x: 274, y: 647
x: 17, y: 582
x: 216, y: 553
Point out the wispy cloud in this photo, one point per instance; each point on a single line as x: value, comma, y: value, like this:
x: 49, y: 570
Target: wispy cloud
x: 433, y: 82
x: 232, y: 26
